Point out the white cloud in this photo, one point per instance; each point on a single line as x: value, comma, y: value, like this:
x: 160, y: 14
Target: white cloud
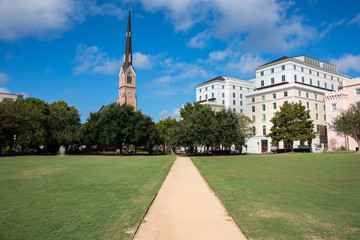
x: 3, y: 78
x: 356, y: 20
x: 175, y: 113
x: 9, y: 56
x: 93, y: 60
x: 164, y: 114
x: 261, y: 25
x: 47, y: 18
x: 347, y: 62
x: 219, y: 55
x: 245, y: 64
x: 4, y: 90
x: 200, y: 40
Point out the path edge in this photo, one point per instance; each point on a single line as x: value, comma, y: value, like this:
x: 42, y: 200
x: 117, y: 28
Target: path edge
x: 218, y: 197
x: 152, y: 201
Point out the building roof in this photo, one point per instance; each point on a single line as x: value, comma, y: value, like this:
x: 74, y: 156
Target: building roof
x: 276, y: 60
x: 218, y: 78
x: 128, y: 49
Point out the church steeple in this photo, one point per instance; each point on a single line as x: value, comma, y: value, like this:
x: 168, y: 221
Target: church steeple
x: 128, y: 50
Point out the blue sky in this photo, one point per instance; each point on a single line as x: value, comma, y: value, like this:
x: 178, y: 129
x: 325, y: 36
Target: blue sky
x: 72, y: 50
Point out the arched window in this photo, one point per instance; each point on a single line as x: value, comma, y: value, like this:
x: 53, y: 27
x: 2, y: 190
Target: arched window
x: 129, y: 78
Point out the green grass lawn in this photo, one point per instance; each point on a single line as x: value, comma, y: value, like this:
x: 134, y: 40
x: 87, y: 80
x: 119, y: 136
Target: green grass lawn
x: 77, y: 197
x: 289, y: 196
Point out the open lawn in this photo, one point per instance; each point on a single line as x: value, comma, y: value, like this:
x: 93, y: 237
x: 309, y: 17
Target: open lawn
x: 77, y: 197
x: 289, y: 196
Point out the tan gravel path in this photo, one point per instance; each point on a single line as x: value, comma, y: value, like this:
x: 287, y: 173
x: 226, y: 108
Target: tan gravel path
x: 186, y: 208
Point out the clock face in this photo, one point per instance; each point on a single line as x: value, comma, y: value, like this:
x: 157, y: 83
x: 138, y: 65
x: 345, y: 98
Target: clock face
x: 129, y: 94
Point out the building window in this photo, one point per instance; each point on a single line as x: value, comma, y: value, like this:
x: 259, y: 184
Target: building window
x: 129, y: 78
x: 307, y: 105
x: 274, y: 95
x: 299, y: 93
x: 283, y: 78
x: 272, y: 70
x: 300, y: 102
x: 285, y: 94
x: 286, y: 102
x: 263, y: 107
x: 253, y: 99
x: 223, y: 95
x: 316, y: 106
x: 262, y: 83
x: 272, y: 80
x: 325, y: 85
x: 324, y: 108
x: 234, y: 102
x: 200, y: 90
x: 317, y: 73
x: 240, y: 88
x: 325, y: 117
x: 223, y: 102
x: 302, y: 69
x: 332, y: 78
x: 263, y: 98
x: 264, y: 118
x: 206, y: 96
x: 295, y: 77
x: 234, y: 110
x: 310, y: 71
x: 253, y: 118
x: 262, y: 73
x: 333, y: 106
x: 318, y: 83
x: 303, y: 79
x: 212, y: 86
x: 240, y: 95
x: 274, y: 105
x: 338, y: 79
x: 248, y: 89
x: 233, y: 95
x: 200, y: 98
x: 307, y: 95
x: 294, y: 67
x: 241, y: 103
x: 324, y: 75
x: 253, y: 108
x: 317, y: 129
x: 283, y: 67
x: 310, y: 81
x: 233, y: 86
x: 357, y: 92
x: 332, y: 86
x: 315, y: 96
x: 223, y: 86
x: 212, y: 95
x: 264, y: 130
x: 241, y: 111
x: 317, y: 117
x: 206, y: 89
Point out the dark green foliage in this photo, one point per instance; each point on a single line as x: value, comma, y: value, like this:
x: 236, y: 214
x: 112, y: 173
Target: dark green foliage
x: 292, y: 123
x: 165, y: 131
x: 348, y: 122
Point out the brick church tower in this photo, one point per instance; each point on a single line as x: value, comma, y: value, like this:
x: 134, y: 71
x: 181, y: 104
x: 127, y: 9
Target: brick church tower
x: 127, y: 75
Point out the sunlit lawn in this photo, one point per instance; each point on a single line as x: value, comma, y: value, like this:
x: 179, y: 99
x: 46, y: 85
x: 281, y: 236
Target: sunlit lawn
x: 77, y: 197
x: 290, y: 196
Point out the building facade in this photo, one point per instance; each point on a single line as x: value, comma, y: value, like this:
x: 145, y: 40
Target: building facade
x: 336, y: 102
x: 225, y: 92
x: 8, y: 97
x: 127, y: 75
x: 293, y: 79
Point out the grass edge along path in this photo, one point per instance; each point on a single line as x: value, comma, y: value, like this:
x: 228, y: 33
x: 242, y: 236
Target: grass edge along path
x: 77, y: 197
x: 290, y: 196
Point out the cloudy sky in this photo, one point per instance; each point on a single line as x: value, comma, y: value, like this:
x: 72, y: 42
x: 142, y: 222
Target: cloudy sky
x: 72, y: 50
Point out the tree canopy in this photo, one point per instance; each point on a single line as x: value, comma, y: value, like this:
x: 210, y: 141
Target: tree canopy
x: 291, y: 123
x: 348, y: 122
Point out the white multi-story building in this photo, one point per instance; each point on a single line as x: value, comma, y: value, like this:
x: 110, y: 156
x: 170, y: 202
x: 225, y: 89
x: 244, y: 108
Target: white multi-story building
x: 293, y: 79
x: 8, y: 97
x: 225, y: 92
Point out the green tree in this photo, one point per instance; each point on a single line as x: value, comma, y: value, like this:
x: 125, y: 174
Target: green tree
x: 9, y: 122
x: 165, y: 131
x: 348, y: 122
x: 143, y: 131
x: 227, y: 128
x: 292, y: 123
x: 64, y: 124
x: 244, y: 130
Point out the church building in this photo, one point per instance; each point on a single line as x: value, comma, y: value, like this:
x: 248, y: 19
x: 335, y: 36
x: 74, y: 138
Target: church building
x: 127, y: 75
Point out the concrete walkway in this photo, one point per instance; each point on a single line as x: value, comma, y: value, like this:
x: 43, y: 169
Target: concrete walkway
x: 187, y: 208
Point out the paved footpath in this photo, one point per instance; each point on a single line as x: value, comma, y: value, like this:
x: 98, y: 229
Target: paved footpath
x: 186, y: 208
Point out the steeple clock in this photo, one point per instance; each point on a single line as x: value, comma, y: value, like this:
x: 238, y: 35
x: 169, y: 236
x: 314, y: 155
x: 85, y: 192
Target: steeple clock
x: 127, y: 75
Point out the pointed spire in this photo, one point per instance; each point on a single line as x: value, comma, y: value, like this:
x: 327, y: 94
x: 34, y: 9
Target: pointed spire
x: 128, y: 50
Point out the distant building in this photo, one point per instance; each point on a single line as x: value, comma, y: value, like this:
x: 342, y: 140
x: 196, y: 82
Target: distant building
x: 348, y: 93
x: 225, y: 92
x: 293, y: 79
x: 127, y: 75
x: 8, y: 97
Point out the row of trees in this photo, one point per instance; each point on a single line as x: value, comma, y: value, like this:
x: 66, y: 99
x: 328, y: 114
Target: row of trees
x: 33, y: 122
